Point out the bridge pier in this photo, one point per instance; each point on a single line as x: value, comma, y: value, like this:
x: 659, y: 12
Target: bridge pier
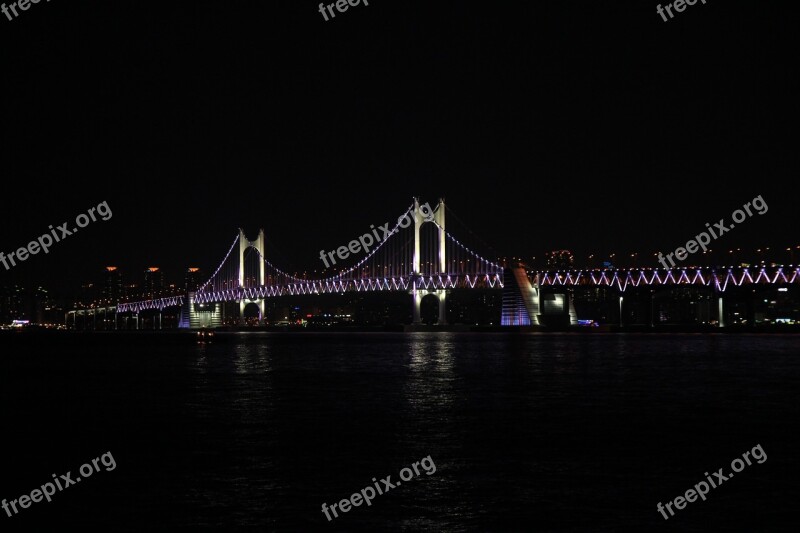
x: 720, y: 312
x: 416, y: 294
x: 573, y: 315
x: 439, y: 218
x: 258, y: 244
x: 442, y: 295
x: 652, y: 308
x: 262, y: 309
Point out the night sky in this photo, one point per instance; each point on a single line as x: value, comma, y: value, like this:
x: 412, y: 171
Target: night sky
x: 592, y: 126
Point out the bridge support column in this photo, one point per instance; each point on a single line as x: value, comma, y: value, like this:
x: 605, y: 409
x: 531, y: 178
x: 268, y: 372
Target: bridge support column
x: 415, y: 293
x: 442, y: 295
x: 417, y: 296
x: 417, y: 226
x: 260, y: 247
x: 258, y: 244
x: 621, y: 303
x: 720, y: 312
x: 261, y: 303
x: 439, y: 218
x: 573, y: 315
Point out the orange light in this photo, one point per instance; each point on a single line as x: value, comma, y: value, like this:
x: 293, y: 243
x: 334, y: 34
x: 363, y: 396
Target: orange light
x: 111, y: 269
x: 152, y: 269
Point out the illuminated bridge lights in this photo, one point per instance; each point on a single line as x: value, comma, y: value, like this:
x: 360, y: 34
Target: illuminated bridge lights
x: 406, y: 262
x: 160, y: 304
x: 720, y: 279
x: 449, y: 281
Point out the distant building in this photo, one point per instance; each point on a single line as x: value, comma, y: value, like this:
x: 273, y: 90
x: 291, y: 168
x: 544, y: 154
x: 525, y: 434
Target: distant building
x: 11, y: 304
x: 34, y: 305
x: 154, y: 283
x: 131, y: 291
x: 559, y: 260
x: 90, y: 293
x: 52, y: 311
x: 192, y: 280
x: 112, y: 289
x: 43, y: 307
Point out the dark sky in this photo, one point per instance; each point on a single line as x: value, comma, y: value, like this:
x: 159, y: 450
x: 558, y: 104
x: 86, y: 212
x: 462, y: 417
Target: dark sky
x: 593, y: 126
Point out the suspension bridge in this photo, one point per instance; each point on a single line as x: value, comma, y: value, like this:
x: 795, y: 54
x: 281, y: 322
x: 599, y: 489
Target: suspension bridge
x: 420, y: 257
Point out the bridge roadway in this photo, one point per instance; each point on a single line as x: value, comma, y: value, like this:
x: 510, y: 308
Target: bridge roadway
x: 718, y: 279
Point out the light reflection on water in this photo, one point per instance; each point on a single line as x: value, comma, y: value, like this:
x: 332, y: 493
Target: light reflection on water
x: 543, y: 432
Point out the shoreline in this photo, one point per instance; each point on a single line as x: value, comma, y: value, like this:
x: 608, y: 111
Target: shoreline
x: 408, y: 328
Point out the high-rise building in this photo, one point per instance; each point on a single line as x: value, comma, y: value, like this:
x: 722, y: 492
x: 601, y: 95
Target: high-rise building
x: 11, y: 304
x: 112, y: 290
x: 131, y: 291
x: 90, y: 293
x: 35, y: 305
x: 192, y: 278
x: 153, y: 282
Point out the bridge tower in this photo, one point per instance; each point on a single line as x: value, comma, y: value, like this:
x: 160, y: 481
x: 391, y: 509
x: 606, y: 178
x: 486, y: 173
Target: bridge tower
x: 258, y: 244
x: 416, y: 293
x: 441, y: 294
x: 438, y: 217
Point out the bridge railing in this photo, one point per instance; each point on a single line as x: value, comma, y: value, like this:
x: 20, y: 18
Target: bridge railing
x: 490, y: 280
x: 144, y: 305
x: 718, y: 278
